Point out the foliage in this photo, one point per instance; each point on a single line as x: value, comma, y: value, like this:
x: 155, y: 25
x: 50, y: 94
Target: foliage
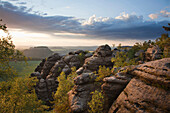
x: 81, y: 57
x: 128, y: 58
x: 119, y: 46
x: 18, y: 96
x: 7, y: 53
x: 97, y: 102
x: 102, y: 73
x: 65, y: 85
x: 164, y: 43
x: 120, y: 59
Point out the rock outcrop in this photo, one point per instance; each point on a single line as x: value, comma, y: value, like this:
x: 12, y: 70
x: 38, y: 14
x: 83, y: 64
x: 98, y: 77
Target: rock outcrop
x: 153, y: 53
x: 142, y: 88
x: 40, y: 66
x: 112, y: 87
x: 148, y: 91
x: 48, y: 71
x: 85, y: 83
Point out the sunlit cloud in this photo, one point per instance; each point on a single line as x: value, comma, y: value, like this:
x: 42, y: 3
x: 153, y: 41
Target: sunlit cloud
x: 162, y: 13
x: 67, y: 7
x: 153, y: 16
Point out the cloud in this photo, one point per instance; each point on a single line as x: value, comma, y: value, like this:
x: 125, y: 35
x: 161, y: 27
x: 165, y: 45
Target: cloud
x: 162, y: 13
x: 124, y: 26
x: 153, y: 16
x: 165, y: 13
x: 13, y: 0
x: 67, y: 7
x: 22, y: 3
x: 18, y: 17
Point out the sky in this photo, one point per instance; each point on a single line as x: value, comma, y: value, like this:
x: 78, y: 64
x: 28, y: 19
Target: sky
x: 84, y: 22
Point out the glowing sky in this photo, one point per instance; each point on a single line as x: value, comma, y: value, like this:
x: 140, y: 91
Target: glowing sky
x: 84, y: 22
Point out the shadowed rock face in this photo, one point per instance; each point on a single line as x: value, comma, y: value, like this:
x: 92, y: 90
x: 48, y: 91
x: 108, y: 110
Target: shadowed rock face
x: 40, y: 66
x: 148, y: 91
x: 49, y: 64
x: 50, y: 69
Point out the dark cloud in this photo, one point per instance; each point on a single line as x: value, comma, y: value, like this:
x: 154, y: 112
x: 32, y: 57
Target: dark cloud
x: 18, y: 18
x: 124, y: 26
x: 9, y: 6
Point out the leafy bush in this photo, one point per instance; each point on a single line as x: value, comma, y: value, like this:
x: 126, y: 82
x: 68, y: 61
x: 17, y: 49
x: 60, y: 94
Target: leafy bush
x: 18, y: 96
x: 65, y: 85
x: 97, y: 102
x: 102, y: 73
x: 81, y: 57
x: 164, y: 43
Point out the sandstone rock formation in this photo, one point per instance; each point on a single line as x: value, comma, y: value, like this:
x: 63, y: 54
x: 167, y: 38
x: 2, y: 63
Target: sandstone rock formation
x: 79, y: 96
x: 40, y: 66
x: 153, y: 53
x: 48, y: 71
x: 112, y: 87
x: 148, y: 91
x: 142, y: 88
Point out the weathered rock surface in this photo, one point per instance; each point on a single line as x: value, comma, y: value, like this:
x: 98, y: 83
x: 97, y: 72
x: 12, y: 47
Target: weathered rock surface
x: 50, y: 71
x: 112, y: 87
x: 40, y: 66
x: 80, y: 95
x: 153, y: 53
x: 142, y: 88
x: 148, y: 91
x: 49, y: 64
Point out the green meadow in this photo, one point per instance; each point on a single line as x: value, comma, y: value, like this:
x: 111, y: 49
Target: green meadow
x: 23, y: 68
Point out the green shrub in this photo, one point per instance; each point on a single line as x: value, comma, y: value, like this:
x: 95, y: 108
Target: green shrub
x: 81, y: 57
x: 102, y: 73
x: 97, y: 102
x: 65, y: 85
x: 18, y: 96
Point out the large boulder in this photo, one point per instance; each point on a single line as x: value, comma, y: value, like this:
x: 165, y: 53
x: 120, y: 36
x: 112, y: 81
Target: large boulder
x: 103, y: 51
x: 148, y: 91
x: 49, y: 64
x: 112, y: 87
x: 153, y: 53
x: 79, y: 96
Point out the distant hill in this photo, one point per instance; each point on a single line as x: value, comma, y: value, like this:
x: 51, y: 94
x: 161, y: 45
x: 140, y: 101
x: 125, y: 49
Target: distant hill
x: 66, y: 49
x: 39, y: 52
